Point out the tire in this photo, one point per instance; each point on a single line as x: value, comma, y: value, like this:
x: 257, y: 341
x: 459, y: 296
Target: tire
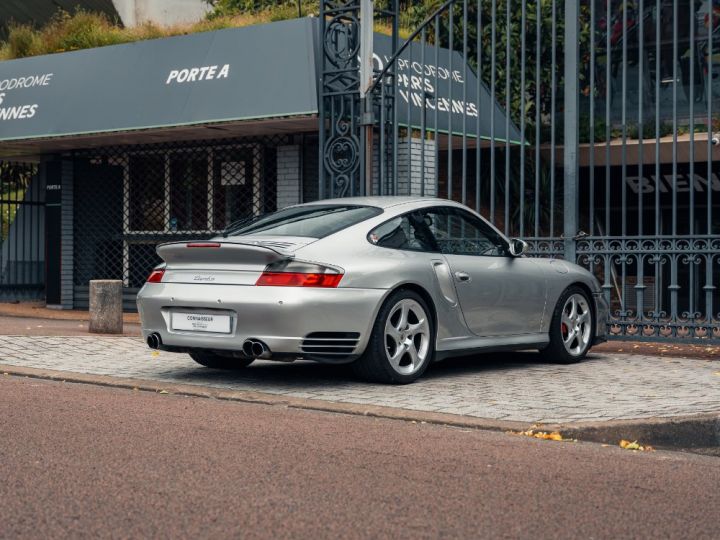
x: 569, y: 345
x: 402, y: 341
x: 216, y: 361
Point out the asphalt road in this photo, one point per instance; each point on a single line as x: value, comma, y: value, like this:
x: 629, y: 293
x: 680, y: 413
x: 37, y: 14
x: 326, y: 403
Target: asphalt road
x: 88, y: 461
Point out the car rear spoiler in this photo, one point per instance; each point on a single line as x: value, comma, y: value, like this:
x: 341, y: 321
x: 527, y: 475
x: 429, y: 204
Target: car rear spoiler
x: 210, y: 251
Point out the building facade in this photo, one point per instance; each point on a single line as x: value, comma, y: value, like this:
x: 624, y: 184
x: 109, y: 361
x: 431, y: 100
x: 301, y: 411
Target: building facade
x: 603, y: 154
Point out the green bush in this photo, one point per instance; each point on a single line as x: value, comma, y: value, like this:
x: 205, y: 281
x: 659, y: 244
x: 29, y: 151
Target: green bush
x: 83, y: 29
x: 276, y: 10
x: 22, y: 41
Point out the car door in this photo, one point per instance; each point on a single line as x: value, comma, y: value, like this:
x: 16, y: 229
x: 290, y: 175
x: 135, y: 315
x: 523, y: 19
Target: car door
x: 500, y: 295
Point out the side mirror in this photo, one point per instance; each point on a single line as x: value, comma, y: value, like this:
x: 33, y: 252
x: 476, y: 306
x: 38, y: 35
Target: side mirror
x: 518, y: 247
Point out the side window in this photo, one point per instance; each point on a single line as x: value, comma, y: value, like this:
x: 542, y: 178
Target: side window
x: 458, y: 232
x: 408, y: 232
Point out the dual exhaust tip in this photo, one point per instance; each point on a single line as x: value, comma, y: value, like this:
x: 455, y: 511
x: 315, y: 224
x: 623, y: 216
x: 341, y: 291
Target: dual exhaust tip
x: 252, y: 348
x: 154, y: 341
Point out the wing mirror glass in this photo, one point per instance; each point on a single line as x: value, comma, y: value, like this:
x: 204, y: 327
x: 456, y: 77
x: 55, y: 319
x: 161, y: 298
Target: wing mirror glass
x: 518, y: 247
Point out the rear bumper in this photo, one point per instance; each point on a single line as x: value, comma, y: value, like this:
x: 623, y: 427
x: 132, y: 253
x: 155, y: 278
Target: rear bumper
x: 281, y: 317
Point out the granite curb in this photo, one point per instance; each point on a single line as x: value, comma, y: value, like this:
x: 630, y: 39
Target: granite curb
x: 679, y: 432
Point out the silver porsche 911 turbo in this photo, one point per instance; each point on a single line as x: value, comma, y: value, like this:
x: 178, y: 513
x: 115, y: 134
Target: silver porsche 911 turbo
x: 389, y: 284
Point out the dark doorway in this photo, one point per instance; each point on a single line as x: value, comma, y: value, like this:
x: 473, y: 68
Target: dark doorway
x: 98, y: 221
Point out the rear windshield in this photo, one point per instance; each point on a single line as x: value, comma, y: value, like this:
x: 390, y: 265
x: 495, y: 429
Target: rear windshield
x: 316, y: 221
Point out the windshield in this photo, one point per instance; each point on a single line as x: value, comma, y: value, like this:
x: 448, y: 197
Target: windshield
x: 316, y: 221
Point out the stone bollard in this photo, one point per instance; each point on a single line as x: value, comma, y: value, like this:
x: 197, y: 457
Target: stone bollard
x: 106, y: 310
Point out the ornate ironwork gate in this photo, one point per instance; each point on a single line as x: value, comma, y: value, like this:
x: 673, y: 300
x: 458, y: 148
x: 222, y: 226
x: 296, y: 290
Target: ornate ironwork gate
x: 346, y: 152
x: 585, y: 127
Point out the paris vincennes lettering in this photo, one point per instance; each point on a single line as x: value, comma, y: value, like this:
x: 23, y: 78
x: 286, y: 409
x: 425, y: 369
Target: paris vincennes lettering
x: 415, y: 79
x: 24, y: 111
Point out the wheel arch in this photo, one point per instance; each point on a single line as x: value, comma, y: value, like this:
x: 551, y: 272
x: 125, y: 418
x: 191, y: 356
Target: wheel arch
x: 425, y: 295
x: 588, y: 291
x: 375, y: 367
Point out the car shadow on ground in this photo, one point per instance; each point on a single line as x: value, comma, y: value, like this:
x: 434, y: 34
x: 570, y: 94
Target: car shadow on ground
x: 307, y: 375
x: 296, y: 375
x: 501, y: 361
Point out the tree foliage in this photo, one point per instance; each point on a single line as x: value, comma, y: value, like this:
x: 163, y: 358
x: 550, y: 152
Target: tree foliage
x: 525, y: 89
x: 276, y: 9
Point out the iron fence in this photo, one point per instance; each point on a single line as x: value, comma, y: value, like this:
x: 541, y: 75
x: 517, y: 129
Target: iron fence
x: 585, y: 127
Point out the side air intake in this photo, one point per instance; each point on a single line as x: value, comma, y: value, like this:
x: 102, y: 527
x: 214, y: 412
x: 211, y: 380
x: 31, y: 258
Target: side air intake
x: 333, y: 344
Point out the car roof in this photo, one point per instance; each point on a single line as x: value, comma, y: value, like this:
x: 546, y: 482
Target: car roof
x: 379, y: 202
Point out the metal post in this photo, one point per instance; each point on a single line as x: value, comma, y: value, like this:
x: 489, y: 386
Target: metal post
x: 570, y: 158
x: 366, y: 80
x: 321, y: 112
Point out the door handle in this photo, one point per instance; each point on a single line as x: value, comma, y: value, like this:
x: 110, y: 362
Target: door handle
x: 462, y: 276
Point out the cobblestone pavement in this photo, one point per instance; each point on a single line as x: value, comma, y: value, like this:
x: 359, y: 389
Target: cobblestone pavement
x: 506, y: 386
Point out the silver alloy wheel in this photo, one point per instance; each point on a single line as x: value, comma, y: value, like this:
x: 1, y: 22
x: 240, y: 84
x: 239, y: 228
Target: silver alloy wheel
x: 575, y: 324
x: 407, y: 336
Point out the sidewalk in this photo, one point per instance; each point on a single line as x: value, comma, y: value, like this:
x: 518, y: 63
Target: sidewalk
x: 34, y: 319
x: 54, y: 322
x: 510, y: 386
x: 37, y: 310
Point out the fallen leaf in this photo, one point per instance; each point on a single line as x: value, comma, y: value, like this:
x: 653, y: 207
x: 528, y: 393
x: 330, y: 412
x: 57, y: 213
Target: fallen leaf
x: 627, y: 445
x: 155, y: 354
x: 163, y: 392
x: 554, y: 436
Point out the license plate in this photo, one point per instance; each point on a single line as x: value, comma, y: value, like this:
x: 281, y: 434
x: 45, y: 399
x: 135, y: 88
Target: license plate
x: 201, y: 322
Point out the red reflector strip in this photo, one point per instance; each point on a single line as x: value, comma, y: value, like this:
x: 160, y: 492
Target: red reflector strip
x: 295, y: 279
x: 156, y: 276
x: 203, y: 245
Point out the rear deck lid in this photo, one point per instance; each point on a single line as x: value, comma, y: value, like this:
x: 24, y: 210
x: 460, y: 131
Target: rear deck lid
x: 237, y: 261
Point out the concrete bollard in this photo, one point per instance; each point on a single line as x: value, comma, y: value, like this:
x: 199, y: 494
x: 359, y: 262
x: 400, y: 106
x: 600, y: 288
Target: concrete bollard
x: 106, y: 310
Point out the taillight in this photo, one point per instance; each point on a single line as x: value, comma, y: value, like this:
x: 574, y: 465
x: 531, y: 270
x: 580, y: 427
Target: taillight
x: 295, y: 279
x: 156, y: 275
x: 299, y: 274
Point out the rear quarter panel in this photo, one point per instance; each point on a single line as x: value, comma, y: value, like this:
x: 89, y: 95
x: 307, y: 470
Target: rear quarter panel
x: 368, y: 266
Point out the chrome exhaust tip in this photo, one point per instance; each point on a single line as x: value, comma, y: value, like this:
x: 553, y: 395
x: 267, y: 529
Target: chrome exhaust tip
x: 258, y: 349
x: 254, y: 348
x: 154, y: 341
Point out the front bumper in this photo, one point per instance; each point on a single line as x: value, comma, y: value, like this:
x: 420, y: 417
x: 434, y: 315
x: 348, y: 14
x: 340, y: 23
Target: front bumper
x: 281, y: 317
x: 602, y: 310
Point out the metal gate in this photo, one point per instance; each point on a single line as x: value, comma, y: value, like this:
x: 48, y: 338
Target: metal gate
x: 22, y: 232
x: 584, y: 127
